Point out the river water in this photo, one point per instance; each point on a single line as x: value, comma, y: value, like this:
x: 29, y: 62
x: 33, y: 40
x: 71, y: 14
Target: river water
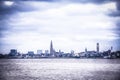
x: 59, y: 69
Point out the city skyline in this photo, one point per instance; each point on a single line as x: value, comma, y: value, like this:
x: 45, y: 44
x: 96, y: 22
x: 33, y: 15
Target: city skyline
x: 53, y: 50
x: 71, y: 25
x: 52, y: 53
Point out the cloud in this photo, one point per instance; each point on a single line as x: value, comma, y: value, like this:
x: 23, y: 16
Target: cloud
x: 16, y: 6
x: 24, y: 6
x: 81, y: 1
x: 68, y: 16
x: 7, y: 10
x: 116, y: 12
x: 116, y: 15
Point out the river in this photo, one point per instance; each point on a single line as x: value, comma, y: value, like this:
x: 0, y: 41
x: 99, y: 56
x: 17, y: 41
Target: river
x: 59, y: 69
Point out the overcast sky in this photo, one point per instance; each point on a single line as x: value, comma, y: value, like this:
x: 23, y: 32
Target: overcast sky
x: 70, y: 24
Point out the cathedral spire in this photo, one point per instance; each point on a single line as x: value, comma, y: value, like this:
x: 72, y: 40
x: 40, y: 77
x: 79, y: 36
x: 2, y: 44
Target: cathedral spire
x: 51, y: 48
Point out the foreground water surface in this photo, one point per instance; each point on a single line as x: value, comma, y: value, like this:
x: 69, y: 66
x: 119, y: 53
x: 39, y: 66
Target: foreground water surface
x: 59, y: 69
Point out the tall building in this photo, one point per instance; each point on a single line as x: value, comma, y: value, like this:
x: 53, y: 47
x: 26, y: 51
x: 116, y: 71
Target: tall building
x: 85, y: 49
x: 51, y: 48
x: 39, y: 52
x: 13, y: 52
x: 111, y: 48
x: 97, y: 47
x: 31, y: 53
x: 46, y: 51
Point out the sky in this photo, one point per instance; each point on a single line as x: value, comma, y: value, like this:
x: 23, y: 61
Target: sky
x: 30, y: 25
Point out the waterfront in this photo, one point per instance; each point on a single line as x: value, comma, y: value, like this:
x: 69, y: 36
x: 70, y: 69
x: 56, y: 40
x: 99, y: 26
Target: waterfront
x: 59, y: 69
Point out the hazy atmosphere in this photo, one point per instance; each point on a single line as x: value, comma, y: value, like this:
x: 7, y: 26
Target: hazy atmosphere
x: 71, y: 25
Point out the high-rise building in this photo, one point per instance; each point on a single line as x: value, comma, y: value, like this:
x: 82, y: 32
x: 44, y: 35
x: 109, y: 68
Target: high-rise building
x: 39, y: 52
x: 31, y: 53
x: 51, y: 48
x: 97, y: 47
x: 13, y: 52
x: 85, y: 49
x: 111, y: 48
x: 46, y: 51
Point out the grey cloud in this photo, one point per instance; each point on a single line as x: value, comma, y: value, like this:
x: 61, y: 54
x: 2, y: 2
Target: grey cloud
x: 16, y: 7
x: 82, y: 1
x: 7, y: 11
x: 118, y: 28
x: 4, y: 24
x: 114, y: 13
x: 23, y: 5
x: 118, y: 5
x: 117, y: 12
x: 90, y: 1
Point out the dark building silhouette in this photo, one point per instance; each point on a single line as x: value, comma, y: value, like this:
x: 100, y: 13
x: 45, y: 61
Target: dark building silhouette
x: 97, y: 47
x: 46, y: 53
x: 31, y: 53
x: 111, y: 48
x: 39, y: 52
x: 51, y: 49
x: 85, y: 49
x: 13, y: 52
